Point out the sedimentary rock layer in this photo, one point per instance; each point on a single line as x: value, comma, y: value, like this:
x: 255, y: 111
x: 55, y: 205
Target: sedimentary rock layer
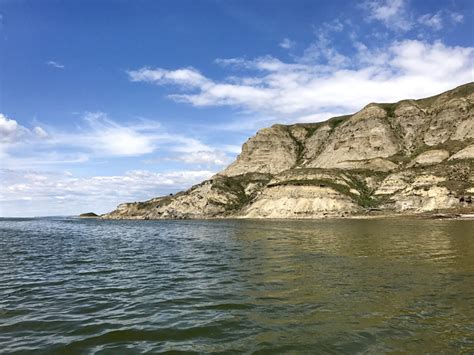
x: 407, y: 157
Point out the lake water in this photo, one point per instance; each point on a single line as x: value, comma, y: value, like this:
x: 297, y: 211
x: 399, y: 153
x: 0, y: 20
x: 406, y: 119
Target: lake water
x: 331, y: 286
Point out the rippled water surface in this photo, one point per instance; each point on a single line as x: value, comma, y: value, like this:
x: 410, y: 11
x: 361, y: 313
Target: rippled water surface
x: 93, y: 286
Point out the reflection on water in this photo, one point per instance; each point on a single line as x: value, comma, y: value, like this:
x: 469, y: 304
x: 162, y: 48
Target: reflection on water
x: 272, y: 286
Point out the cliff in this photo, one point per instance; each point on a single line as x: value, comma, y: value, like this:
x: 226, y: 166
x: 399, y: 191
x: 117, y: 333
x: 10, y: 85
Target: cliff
x: 413, y: 156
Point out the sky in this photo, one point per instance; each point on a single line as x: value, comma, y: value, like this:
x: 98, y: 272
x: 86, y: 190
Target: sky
x: 103, y: 102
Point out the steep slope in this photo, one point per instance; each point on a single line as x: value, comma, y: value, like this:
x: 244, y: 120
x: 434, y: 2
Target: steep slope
x: 271, y: 150
x: 365, y: 136
x: 407, y: 157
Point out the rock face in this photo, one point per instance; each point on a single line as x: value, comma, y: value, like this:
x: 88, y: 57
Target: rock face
x: 410, y: 157
x: 272, y: 150
x: 429, y: 157
x: 466, y: 153
x: 364, y: 136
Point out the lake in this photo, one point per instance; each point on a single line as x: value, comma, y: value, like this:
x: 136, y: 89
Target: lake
x: 324, y: 286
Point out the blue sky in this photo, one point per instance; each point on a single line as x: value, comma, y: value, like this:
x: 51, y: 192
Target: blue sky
x: 103, y: 102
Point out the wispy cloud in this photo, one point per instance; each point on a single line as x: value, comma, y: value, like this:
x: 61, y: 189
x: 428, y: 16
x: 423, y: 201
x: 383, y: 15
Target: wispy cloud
x: 326, y: 79
x: 456, y: 17
x: 105, y: 137
x: 205, y: 158
x: 286, y: 43
x: 27, y: 192
x: 322, y: 51
x: 40, y: 132
x: 434, y: 21
x: 184, y: 77
x: 392, y: 13
x: 439, y: 20
x: 398, y: 16
x: 410, y: 68
x: 54, y: 64
x: 98, y: 136
x: 34, y: 179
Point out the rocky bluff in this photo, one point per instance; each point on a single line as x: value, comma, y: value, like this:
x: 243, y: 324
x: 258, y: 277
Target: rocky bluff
x: 409, y: 157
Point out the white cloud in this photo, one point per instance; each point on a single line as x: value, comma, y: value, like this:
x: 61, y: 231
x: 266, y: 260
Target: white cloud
x: 97, y: 136
x: 30, y: 192
x: 434, y: 21
x: 41, y: 157
x: 10, y: 130
x: 185, y: 77
x: 40, y: 132
x: 54, y: 64
x: 182, y: 144
x: 398, y: 16
x: 265, y: 63
x: 438, y: 20
x: 317, y: 117
x: 100, y: 136
x: 286, y: 43
x: 207, y: 158
x: 13, y: 134
x: 232, y: 148
x: 456, y: 17
x: 107, y: 138
x: 321, y: 51
x: 392, y: 13
x: 403, y: 69
x: 436, y: 61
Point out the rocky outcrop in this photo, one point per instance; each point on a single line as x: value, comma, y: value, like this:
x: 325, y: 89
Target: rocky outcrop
x: 220, y: 196
x: 270, y: 151
x: 451, y: 120
x: 364, y: 136
x: 414, y: 156
x: 429, y: 157
x: 408, y: 120
x: 466, y: 153
x: 299, y: 201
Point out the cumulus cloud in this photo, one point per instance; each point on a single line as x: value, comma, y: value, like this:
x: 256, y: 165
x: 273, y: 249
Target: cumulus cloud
x: 54, y: 64
x: 403, y: 69
x: 12, y: 133
x: 28, y: 192
x: 10, y: 130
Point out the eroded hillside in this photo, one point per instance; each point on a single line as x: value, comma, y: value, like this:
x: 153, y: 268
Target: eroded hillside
x: 407, y: 157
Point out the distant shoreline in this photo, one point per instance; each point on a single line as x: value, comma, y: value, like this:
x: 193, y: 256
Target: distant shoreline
x: 438, y: 216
